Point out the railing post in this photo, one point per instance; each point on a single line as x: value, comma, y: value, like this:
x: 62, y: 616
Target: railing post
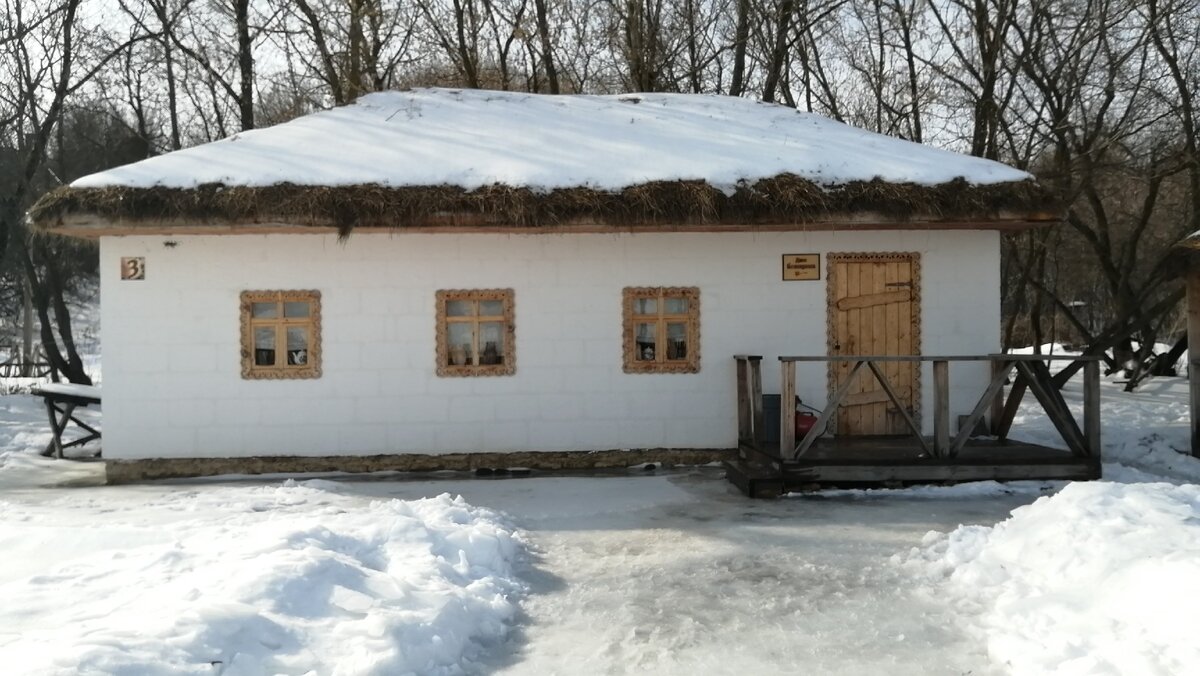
x: 1194, y: 397
x: 941, y: 408
x: 743, y: 402
x: 1194, y: 389
x: 787, y: 409
x: 756, y: 401
x: 997, y: 408
x: 1091, y: 406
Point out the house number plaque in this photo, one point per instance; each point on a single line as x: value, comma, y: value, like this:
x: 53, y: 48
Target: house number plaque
x: 801, y: 267
x: 133, y: 267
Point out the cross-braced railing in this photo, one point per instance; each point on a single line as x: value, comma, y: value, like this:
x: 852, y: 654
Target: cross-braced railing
x: 1032, y: 375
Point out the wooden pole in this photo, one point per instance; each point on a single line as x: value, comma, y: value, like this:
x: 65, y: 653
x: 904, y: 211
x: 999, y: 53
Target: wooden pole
x: 1091, y: 407
x: 941, y: 408
x: 756, y: 404
x: 1193, y: 328
x: 787, y: 410
x: 743, y: 401
x: 997, y: 408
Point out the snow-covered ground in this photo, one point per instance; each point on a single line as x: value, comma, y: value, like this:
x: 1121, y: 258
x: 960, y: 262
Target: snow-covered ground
x: 633, y: 573
x: 636, y: 572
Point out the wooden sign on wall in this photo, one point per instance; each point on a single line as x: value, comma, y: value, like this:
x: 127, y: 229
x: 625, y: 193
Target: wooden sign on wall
x: 801, y: 267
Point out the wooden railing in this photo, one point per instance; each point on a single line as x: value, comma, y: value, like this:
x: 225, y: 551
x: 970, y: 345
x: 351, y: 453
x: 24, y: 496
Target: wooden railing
x: 1032, y: 375
x: 749, y: 399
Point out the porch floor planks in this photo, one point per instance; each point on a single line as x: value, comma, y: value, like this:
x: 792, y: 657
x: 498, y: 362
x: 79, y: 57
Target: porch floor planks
x: 876, y: 461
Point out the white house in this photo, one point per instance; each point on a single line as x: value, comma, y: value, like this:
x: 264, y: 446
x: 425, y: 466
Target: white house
x: 461, y: 279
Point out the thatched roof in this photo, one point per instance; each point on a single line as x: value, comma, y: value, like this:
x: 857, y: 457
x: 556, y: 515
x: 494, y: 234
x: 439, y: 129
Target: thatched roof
x: 444, y: 158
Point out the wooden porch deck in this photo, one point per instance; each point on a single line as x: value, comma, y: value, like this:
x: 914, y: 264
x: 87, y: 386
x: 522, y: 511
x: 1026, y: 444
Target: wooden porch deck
x: 766, y: 468
x: 891, y: 461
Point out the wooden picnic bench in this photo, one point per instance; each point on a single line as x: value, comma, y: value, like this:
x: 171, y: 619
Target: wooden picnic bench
x: 61, y: 401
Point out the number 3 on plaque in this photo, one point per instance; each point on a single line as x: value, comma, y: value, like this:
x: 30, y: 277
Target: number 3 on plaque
x: 133, y: 268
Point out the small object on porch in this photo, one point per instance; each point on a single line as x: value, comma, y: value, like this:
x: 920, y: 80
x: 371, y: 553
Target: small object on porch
x: 804, y: 422
x: 61, y: 400
x: 804, y: 419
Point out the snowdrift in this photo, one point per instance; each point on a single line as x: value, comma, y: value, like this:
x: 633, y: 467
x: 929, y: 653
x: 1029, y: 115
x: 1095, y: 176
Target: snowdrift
x: 1101, y: 578
x: 295, y: 580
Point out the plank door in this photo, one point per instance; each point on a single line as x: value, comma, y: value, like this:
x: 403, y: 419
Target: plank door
x: 874, y: 309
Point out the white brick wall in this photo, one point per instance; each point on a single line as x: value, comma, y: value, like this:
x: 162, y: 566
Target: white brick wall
x: 172, y: 384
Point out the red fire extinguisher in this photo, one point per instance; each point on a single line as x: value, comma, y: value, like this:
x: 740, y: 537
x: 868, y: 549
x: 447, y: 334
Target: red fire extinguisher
x: 805, y: 419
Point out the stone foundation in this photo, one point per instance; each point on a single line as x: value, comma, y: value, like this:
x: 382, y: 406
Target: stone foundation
x: 127, y: 471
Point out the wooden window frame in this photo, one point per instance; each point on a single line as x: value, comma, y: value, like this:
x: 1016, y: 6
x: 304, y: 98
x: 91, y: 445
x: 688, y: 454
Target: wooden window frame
x: 508, y: 352
x: 691, y: 319
x: 312, y: 366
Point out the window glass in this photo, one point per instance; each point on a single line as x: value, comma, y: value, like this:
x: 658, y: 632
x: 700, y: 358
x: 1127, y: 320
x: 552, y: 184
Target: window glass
x: 264, y: 346
x: 645, y: 306
x: 297, y: 345
x: 461, y: 335
x: 491, y: 344
x: 460, y: 308
x: 646, y: 342
x: 295, y: 309
x: 676, y: 341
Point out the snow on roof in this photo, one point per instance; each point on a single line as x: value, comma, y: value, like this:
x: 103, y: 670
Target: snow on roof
x: 475, y: 138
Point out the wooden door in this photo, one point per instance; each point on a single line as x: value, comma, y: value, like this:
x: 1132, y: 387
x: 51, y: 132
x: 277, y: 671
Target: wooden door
x: 874, y: 309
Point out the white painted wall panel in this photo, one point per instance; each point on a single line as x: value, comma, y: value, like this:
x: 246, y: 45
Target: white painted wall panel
x: 172, y: 384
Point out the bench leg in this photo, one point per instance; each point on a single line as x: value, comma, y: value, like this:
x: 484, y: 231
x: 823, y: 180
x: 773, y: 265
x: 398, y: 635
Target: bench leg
x: 55, y: 448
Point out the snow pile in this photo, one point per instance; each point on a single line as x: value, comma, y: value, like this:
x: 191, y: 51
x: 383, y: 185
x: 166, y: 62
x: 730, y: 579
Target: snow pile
x: 471, y: 139
x: 24, y: 427
x: 1101, y: 578
x: 290, y: 579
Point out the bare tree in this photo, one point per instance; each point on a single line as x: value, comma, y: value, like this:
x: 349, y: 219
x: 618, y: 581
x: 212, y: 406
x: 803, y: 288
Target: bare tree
x: 41, y: 59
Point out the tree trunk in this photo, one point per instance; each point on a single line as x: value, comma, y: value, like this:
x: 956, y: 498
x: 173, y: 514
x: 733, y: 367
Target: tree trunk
x: 779, y: 49
x: 543, y: 24
x: 741, y: 37
x: 164, y: 20
x: 241, y: 9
